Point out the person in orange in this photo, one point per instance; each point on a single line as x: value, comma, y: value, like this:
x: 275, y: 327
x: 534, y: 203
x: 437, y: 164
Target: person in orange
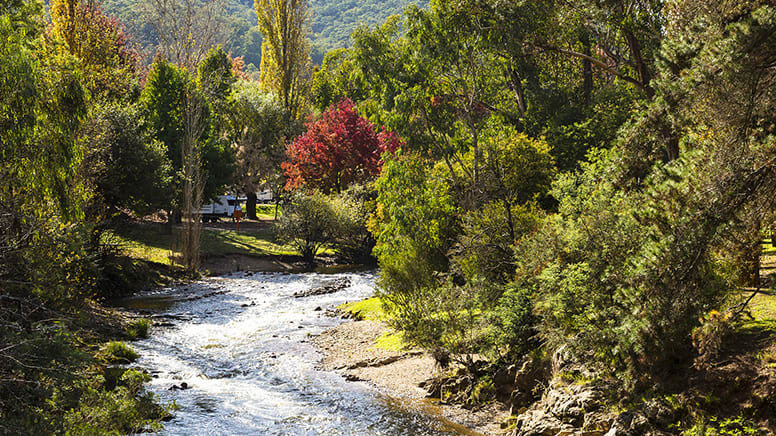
x: 237, y: 214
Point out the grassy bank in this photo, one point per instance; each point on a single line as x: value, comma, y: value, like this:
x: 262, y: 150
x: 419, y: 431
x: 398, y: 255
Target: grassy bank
x: 156, y: 242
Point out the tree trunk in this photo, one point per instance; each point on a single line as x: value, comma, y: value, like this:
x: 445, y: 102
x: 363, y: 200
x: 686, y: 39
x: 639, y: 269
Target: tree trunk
x: 638, y: 59
x: 749, y: 260
x: 250, y: 206
x: 587, y: 69
x: 517, y: 88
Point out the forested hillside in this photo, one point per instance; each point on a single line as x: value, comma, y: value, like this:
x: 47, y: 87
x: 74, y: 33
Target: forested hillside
x: 334, y: 20
x: 331, y: 22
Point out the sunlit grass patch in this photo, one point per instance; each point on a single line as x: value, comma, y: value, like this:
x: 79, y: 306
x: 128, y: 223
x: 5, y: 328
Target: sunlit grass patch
x: 255, y: 243
x: 267, y: 211
x: 763, y: 306
x: 138, y: 329
x: 155, y: 243
x: 119, y: 352
x: 391, y: 341
x: 370, y: 309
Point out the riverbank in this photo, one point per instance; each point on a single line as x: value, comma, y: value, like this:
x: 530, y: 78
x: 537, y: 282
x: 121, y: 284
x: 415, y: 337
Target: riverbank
x: 351, y: 350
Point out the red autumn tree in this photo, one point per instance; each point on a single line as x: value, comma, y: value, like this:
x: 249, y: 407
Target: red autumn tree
x: 337, y: 150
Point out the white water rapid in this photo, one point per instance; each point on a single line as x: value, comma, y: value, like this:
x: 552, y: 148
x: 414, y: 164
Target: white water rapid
x: 241, y: 344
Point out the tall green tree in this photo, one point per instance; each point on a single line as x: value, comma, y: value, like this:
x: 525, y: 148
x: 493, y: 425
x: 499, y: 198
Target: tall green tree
x: 164, y: 102
x: 108, y: 62
x: 257, y: 130
x: 285, y: 52
x: 128, y: 169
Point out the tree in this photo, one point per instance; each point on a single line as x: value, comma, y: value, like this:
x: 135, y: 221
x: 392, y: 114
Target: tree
x: 627, y: 267
x: 285, y: 52
x: 339, y: 149
x: 215, y: 77
x: 194, y: 124
x: 108, y: 62
x: 257, y: 128
x: 163, y: 103
x: 186, y: 29
x: 129, y: 169
x: 308, y: 222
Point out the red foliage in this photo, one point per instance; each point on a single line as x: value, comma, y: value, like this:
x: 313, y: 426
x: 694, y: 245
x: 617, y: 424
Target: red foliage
x: 337, y: 150
x: 238, y: 66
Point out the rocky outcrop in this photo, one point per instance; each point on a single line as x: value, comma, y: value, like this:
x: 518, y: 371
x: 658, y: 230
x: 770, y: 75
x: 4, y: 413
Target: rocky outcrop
x: 330, y: 288
x: 575, y: 402
x: 569, y: 405
x: 565, y: 409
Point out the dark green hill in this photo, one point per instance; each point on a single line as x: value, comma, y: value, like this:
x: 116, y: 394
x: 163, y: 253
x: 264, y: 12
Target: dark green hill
x: 332, y: 21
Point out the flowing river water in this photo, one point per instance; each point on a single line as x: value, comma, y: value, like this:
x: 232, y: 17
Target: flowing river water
x: 242, y: 345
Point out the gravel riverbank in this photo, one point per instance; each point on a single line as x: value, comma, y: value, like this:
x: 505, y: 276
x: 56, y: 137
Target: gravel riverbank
x: 350, y: 349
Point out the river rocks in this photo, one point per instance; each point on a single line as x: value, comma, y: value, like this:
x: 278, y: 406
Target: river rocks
x: 376, y: 362
x: 453, y: 388
x: 183, y: 386
x: 206, y: 295
x: 336, y: 285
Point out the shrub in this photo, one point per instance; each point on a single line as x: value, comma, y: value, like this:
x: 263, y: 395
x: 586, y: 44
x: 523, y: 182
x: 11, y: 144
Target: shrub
x: 485, y: 249
x: 122, y: 410
x: 119, y: 352
x: 515, y: 325
x: 308, y: 223
x: 354, y: 242
x: 138, y: 329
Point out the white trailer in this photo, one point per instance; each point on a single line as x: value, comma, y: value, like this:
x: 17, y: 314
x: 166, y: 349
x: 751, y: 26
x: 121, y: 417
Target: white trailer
x: 221, y: 207
x: 264, y: 196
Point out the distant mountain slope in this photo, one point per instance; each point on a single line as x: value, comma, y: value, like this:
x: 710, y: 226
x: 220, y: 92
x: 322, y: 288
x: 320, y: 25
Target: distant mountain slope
x: 334, y: 20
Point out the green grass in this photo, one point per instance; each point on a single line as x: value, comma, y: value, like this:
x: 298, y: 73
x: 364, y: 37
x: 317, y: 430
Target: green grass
x: 151, y: 242
x: 370, y: 309
x: 767, y: 247
x: 261, y: 242
x: 267, y: 211
x: 138, y: 329
x: 119, y: 352
x: 391, y: 341
x: 763, y: 307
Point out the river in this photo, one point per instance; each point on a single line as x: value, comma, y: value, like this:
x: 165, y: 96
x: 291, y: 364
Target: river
x: 242, y: 344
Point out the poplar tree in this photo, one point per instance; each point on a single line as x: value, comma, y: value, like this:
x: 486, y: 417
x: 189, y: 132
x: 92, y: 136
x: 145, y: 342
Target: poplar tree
x: 285, y: 51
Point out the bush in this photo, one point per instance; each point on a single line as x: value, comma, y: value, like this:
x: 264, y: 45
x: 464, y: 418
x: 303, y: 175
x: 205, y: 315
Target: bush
x: 516, y: 326
x: 448, y: 319
x: 354, y: 242
x: 123, y: 410
x: 119, y: 352
x: 415, y: 224
x: 309, y: 223
x: 138, y: 329
x: 486, y: 248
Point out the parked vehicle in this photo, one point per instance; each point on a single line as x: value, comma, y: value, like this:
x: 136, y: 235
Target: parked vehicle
x: 264, y: 196
x: 221, y: 207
